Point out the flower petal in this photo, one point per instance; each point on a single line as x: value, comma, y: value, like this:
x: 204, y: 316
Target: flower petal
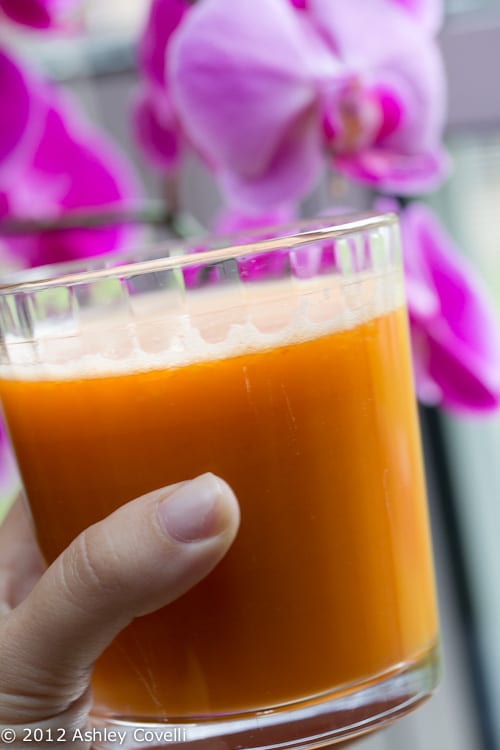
x: 231, y: 220
x: 397, y: 59
x: 39, y: 14
x: 164, y: 17
x: 74, y: 168
x: 22, y: 117
x: 428, y: 12
x: 157, y: 132
x: 346, y: 24
x: 411, y: 91
x: 459, y: 346
x: 292, y: 170
x: 246, y: 93
x: 392, y: 172
x: 398, y: 70
x: 263, y: 265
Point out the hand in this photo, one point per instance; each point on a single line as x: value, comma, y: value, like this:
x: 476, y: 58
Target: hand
x: 55, y: 624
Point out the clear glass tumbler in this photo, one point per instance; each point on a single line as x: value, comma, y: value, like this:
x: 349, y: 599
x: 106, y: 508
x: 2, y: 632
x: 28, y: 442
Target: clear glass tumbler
x: 281, y: 363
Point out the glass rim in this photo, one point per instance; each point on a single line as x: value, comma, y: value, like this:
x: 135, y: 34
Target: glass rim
x: 302, y: 232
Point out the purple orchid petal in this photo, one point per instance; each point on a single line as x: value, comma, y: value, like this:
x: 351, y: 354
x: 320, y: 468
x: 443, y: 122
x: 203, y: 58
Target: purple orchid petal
x: 428, y: 12
x: 39, y: 14
x: 391, y: 30
x: 233, y: 221
x: 264, y: 265
x: 164, y: 18
x: 246, y: 94
x: 385, y: 126
x: 302, y: 262
x: 201, y: 274
x: 73, y: 168
x: 23, y: 114
x: 157, y: 131
x: 153, y: 118
x: 290, y: 173
x: 402, y: 174
x: 458, y: 348
x: 422, y: 298
x: 411, y: 91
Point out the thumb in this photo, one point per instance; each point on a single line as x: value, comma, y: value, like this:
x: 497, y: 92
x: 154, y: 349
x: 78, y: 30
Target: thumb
x: 143, y: 556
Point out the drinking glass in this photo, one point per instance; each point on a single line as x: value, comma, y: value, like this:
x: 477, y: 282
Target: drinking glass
x: 279, y: 361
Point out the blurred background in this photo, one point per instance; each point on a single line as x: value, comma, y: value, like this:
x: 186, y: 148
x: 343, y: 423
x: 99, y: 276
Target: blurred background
x: 98, y: 65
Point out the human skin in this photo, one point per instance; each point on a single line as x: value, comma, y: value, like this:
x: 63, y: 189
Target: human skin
x: 54, y: 623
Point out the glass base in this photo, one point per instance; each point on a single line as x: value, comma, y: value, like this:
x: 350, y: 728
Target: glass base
x: 308, y: 724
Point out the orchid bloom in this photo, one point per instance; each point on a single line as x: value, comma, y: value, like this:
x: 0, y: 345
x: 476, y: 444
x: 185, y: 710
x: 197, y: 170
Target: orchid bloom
x: 52, y: 162
x: 39, y: 14
x: 154, y: 119
x: 454, y: 327
x: 263, y: 103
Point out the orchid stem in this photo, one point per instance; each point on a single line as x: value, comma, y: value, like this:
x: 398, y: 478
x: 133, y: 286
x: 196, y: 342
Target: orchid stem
x: 151, y: 214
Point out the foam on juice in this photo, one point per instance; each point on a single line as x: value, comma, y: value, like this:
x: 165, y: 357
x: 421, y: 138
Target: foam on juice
x: 160, y: 330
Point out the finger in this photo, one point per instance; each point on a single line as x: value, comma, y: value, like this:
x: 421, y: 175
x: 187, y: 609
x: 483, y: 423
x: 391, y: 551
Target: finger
x: 21, y: 563
x: 141, y: 557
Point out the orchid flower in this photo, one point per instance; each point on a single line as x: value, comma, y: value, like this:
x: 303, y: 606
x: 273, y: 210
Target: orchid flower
x: 385, y: 125
x: 154, y: 119
x: 39, y: 14
x: 60, y: 164
x: 454, y: 327
x: 264, y: 103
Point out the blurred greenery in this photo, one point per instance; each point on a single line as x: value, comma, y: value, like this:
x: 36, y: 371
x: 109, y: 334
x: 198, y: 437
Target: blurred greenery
x: 5, y: 503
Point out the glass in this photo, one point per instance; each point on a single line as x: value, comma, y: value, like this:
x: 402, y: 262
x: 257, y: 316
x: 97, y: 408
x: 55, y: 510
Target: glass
x: 282, y: 364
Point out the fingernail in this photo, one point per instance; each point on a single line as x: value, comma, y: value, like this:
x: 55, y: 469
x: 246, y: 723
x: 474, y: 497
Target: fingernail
x: 191, y: 513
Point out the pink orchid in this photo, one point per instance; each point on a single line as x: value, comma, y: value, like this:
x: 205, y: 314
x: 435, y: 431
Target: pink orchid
x: 154, y: 119
x: 39, y: 14
x: 454, y: 328
x: 52, y: 162
x: 384, y: 125
x: 264, y: 103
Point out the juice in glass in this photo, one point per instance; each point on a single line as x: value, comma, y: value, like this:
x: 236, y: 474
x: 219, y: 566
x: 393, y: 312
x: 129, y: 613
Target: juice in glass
x: 306, y: 408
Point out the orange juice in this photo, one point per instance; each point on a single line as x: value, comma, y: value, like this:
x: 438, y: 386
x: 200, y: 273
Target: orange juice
x: 329, y: 583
